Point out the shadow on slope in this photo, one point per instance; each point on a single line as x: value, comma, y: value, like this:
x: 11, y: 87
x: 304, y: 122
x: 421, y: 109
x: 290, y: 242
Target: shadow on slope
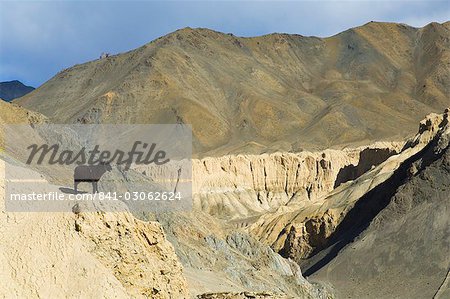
x: 368, y: 207
x: 367, y: 158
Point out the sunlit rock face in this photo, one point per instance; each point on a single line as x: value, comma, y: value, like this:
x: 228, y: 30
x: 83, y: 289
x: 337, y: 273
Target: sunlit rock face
x: 83, y: 254
x: 246, y: 185
x: 300, y: 231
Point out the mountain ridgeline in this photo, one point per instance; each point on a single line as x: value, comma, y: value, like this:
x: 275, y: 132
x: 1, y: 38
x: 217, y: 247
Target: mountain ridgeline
x: 11, y: 90
x: 366, y: 221
x: 277, y: 92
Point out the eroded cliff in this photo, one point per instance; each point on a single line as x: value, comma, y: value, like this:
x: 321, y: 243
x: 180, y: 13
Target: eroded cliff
x: 248, y: 185
x: 87, y: 255
x: 299, y: 231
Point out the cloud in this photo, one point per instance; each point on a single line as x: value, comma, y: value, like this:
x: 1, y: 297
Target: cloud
x: 419, y: 20
x: 37, y: 39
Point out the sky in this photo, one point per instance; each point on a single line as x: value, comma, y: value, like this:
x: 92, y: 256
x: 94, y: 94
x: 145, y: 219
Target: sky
x: 40, y: 38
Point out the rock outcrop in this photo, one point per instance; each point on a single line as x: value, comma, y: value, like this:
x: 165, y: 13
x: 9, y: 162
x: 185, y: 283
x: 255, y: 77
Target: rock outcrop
x: 136, y: 252
x: 403, y: 251
x: 218, y: 258
x: 87, y: 255
x: 247, y: 185
x: 301, y: 231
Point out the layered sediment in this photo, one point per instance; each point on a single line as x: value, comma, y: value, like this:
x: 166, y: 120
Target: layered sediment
x: 83, y: 254
x: 247, y: 185
x: 300, y: 231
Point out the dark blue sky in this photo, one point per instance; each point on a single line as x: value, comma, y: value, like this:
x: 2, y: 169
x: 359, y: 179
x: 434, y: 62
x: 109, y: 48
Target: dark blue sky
x: 38, y: 39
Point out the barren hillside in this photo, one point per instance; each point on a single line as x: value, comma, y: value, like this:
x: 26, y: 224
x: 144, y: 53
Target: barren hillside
x: 305, y: 162
x: 406, y: 247
x: 277, y: 92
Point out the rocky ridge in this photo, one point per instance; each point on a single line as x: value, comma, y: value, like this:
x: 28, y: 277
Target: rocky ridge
x: 247, y: 185
x: 405, y: 246
x: 81, y: 254
x: 272, y: 93
x: 301, y: 231
x: 11, y: 90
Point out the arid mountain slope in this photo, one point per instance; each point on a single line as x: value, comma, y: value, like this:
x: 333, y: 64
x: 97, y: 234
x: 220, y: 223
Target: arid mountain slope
x: 220, y: 258
x: 83, y: 254
x: 302, y: 229
x: 276, y: 92
x: 406, y: 247
x: 11, y: 113
x: 112, y: 254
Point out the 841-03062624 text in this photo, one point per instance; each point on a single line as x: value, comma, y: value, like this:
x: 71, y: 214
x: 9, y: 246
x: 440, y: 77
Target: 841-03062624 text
x: 106, y: 196
x: 136, y: 195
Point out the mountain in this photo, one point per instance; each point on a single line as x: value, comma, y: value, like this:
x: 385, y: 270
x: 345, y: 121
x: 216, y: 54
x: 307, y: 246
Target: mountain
x: 79, y: 258
x: 381, y: 231
x: 383, y: 234
x: 11, y: 90
x: 277, y: 92
x: 362, y: 213
x: 14, y: 114
x: 405, y: 248
x: 113, y: 252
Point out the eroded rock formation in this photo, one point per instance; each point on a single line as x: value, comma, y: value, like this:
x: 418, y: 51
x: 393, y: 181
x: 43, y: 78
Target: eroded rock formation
x: 300, y: 231
x: 403, y: 251
x: 88, y: 255
x: 247, y: 185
